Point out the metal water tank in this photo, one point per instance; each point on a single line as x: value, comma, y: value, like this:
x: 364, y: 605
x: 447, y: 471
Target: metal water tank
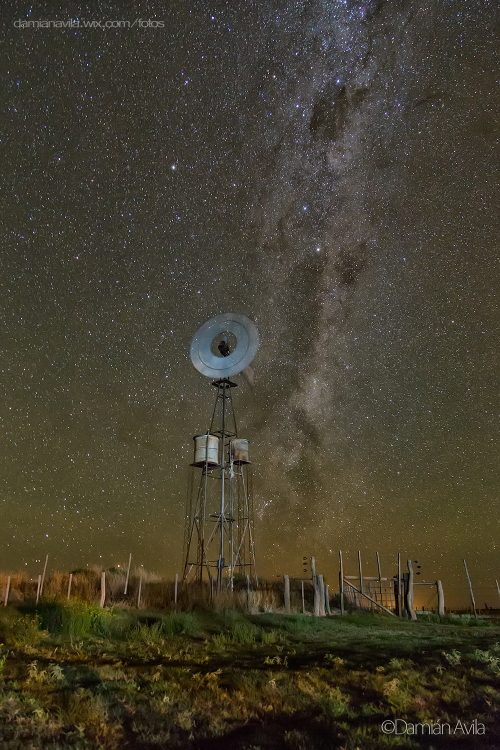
x: 239, y: 451
x: 206, y: 450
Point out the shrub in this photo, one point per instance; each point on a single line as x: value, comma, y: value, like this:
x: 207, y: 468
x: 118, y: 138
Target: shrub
x: 180, y: 623
x: 26, y: 631
x: 148, y: 633
x: 244, y: 633
x: 220, y: 641
x: 272, y: 636
x: 453, y: 657
x: 300, y: 624
x: 77, y: 620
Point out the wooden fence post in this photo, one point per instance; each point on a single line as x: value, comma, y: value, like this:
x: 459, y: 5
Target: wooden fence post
x: 360, y: 578
x: 327, y: 599
x: 103, y: 589
x: 399, y: 592
x: 6, y: 600
x: 341, y: 584
x: 70, y: 581
x: 321, y: 589
x: 316, y: 596
x: 43, y: 574
x: 313, y: 568
x: 379, y: 579
x: 470, y: 590
x: 440, y: 593
x: 319, y: 596
x: 128, y: 574
x: 409, y: 593
x: 286, y: 584
x: 140, y: 590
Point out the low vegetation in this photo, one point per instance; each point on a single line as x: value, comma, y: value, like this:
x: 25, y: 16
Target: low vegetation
x: 74, y: 675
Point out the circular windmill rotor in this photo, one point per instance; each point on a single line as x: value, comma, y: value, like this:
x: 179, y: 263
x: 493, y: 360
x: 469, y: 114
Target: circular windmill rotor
x: 213, y: 337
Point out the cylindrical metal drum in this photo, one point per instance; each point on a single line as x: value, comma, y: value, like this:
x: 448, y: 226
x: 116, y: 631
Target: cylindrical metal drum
x: 206, y: 450
x: 239, y: 451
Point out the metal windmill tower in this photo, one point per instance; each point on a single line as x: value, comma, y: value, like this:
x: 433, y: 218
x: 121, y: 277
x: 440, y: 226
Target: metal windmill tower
x: 218, y: 537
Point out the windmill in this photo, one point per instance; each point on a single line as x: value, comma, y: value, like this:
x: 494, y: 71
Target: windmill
x: 219, y: 537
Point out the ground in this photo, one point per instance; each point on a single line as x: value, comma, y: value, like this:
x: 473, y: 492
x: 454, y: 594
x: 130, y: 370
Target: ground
x: 77, y: 676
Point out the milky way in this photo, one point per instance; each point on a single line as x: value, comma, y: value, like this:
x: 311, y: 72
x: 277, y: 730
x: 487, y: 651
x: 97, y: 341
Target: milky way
x: 329, y: 169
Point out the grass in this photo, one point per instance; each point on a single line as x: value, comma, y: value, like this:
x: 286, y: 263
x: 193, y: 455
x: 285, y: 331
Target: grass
x: 73, y: 675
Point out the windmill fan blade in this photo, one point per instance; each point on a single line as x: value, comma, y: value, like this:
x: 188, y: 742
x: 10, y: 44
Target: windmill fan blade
x: 228, y: 361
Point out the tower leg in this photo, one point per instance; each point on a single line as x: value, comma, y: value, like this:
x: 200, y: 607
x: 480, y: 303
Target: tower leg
x: 220, y: 543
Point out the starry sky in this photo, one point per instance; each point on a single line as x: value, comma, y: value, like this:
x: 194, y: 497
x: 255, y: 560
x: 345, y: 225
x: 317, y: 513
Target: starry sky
x: 330, y: 170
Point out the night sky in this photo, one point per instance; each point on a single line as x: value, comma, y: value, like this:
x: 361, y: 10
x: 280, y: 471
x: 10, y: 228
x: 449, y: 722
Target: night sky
x: 330, y: 170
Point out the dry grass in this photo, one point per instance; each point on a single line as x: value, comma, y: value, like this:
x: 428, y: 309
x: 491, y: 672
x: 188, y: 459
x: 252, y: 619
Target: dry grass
x: 156, y: 593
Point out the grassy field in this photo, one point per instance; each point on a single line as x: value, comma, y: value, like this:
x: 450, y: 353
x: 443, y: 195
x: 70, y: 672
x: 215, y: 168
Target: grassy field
x: 74, y: 675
